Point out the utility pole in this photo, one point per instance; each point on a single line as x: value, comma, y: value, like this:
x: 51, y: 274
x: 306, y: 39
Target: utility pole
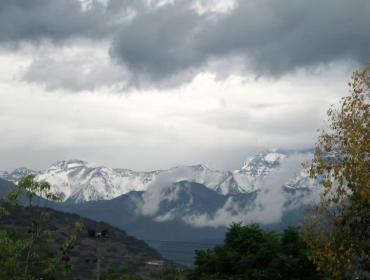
x: 97, y: 236
x: 98, y: 260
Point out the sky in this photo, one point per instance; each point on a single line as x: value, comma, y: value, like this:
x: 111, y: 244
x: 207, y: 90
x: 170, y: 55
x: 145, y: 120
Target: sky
x: 149, y: 84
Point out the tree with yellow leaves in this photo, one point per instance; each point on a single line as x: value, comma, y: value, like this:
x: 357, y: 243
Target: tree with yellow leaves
x: 337, y: 229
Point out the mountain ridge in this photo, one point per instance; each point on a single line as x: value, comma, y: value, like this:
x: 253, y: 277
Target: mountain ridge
x: 76, y: 181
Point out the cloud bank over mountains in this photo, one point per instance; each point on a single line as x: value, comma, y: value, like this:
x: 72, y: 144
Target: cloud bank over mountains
x: 271, y: 201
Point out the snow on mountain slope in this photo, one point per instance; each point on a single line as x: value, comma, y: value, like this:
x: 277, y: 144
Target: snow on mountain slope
x: 200, y: 174
x: 250, y: 176
x: 78, y: 181
x: 264, y: 162
x: 236, y: 183
x: 4, y: 174
x: 16, y: 175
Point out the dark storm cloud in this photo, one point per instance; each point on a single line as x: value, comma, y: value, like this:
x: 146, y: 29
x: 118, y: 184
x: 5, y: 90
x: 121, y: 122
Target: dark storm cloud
x: 160, y: 42
x: 171, y: 43
x: 273, y: 37
x: 56, y: 20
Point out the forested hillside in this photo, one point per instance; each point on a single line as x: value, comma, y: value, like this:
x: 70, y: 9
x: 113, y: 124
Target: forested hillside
x: 117, y: 248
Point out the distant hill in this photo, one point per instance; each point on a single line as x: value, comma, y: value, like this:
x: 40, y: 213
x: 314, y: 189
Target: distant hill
x: 5, y: 187
x: 117, y: 249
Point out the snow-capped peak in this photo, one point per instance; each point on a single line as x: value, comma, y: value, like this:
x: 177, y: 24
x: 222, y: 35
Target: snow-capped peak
x: 16, y: 174
x: 200, y: 167
x: 22, y: 171
x: 68, y: 164
x: 264, y: 162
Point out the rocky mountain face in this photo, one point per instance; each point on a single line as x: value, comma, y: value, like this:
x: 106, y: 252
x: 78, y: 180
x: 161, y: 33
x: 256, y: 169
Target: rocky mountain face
x: 77, y: 181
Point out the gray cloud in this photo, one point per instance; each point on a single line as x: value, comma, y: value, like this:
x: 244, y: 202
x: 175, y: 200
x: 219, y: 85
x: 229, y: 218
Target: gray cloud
x: 272, y: 119
x: 273, y: 37
x: 159, y: 43
x: 169, y: 44
x: 36, y: 20
x: 77, y: 73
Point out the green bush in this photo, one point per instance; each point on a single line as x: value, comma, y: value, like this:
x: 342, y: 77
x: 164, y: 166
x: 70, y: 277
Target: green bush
x: 251, y: 253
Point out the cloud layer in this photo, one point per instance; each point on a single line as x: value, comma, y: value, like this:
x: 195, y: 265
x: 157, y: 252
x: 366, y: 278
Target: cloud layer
x: 167, y: 43
x: 151, y: 84
x: 58, y: 21
x: 272, y: 37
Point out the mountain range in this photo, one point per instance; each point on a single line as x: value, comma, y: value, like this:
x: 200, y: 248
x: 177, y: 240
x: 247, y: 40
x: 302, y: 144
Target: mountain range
x: 76, y: 181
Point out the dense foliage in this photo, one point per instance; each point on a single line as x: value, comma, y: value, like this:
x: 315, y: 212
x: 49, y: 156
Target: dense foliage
x: 14, y: 243
x: 251, y: 253
x: 173, y: 273
x: 337, y: 228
